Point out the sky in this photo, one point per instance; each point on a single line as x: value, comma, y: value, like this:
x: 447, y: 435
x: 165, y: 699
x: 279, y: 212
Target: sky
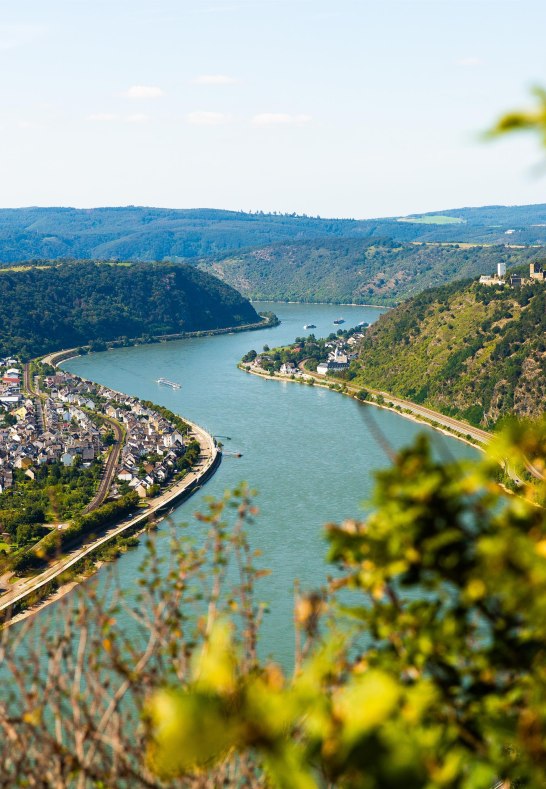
x: 353, y: 108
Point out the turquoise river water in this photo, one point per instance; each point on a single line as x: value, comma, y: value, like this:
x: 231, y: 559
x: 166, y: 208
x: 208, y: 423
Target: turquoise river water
x: 308, y: 451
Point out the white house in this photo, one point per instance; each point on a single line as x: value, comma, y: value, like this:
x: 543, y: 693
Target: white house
x: 288, y: 369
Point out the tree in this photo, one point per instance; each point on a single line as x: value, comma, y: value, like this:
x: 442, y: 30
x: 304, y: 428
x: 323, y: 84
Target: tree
x: 450, y: 689
x: 430, y: 674
x: 109, y: 438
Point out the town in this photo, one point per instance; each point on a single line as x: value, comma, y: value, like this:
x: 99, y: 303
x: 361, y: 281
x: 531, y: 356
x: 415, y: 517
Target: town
x: 60, y: 421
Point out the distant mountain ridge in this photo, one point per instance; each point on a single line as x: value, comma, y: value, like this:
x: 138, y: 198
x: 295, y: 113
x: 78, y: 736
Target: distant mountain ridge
x: 142, y: 233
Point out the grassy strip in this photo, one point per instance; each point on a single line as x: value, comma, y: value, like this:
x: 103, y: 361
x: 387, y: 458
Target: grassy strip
x: 78, y: 572
x: 83, y: 526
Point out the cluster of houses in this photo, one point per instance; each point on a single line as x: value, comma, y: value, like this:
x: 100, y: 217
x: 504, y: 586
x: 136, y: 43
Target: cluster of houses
x: 14, y: 437
x: 10, y: 383
x: 63, y: 426
x: 536, y: 274
x: 56, y: 430
x: 149, y: 457
x: 340, y: 354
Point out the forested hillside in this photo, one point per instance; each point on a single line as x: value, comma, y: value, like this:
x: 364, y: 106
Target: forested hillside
x: 141, y: 233
x: 44, y: 309
x: 356, y: 271
x: 465, y: 349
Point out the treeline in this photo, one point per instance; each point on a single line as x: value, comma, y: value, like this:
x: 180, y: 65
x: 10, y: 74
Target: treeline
x: 55, y: 493
x: 468, y: 350
x: 85, y: 302
x: 57, y: 541
x: 142, y: 233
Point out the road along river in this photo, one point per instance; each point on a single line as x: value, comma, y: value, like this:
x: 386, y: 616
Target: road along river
x: 310, y: 452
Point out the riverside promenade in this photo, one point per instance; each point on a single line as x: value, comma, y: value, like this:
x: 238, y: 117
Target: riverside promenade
x: 209, y: 459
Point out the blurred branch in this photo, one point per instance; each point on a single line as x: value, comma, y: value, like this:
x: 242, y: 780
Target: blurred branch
x: 530, y: 120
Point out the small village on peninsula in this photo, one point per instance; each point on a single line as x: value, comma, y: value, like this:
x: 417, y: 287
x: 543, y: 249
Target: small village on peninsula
x: 78, y: 462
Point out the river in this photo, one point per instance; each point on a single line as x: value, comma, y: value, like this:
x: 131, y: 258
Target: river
x: 308, y: 451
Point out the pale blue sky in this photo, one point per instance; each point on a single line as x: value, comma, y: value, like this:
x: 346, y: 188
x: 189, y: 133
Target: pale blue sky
x: 350, y: 108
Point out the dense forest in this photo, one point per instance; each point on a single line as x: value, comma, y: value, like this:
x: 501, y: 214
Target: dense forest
x: 356, y: 271
x: 141, y: 233
x: 45, y: 309
x: 465, y: 349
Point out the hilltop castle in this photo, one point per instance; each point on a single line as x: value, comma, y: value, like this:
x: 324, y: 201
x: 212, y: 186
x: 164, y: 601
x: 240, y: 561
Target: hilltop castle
x: 536, y: 272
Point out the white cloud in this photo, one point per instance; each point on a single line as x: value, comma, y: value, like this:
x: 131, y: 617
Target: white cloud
x: 102, y: 117
x: 144, y: 92
x: 469, y: 62
x: 201, y: 118
x: 214, y: 79
x: 280, y: 119
x: 137, y: 117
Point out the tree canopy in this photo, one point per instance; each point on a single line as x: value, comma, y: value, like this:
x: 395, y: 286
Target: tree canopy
x: 70, y: 304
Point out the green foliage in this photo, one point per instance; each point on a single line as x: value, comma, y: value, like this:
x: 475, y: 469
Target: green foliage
x: 250, y: 356
x: 58, y: 541
x: 464, y: 349
x: 421, y: 665
x: 109, y: 438
x: 446, y: 689
x: 190, y: 456
x: 84, y: 302
x: 357, y: 270
x: 137, y: 233
x: 533, y: 120
x: 56, y: 493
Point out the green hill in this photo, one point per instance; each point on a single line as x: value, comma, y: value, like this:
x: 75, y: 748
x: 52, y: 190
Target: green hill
x: 465, y: 349
x: 355, y: 270
x: 143, y: 233
x: 62, y: 306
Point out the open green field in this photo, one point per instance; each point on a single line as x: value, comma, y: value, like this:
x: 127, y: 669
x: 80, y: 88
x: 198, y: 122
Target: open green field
x: 435, y: 219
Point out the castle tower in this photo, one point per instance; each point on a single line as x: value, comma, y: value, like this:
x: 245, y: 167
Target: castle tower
x: 501, y: 270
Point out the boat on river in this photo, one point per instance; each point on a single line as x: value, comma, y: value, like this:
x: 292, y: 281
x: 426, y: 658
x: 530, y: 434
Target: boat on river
x: 166, y: 382
x: 339, y: 321
x: 309, y: 326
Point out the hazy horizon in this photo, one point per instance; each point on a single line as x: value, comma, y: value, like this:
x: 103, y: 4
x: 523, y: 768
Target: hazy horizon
x: 258, y: 210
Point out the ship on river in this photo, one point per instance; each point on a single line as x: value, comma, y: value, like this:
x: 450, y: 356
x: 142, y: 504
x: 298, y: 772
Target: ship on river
x: 166, y: 382
x: 338, y: 321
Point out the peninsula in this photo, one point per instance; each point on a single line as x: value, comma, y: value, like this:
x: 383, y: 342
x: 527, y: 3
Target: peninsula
x: 84, y: 468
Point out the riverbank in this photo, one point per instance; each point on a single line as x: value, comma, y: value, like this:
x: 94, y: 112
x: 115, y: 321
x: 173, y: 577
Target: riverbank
x: 447, y: 425
x: 284, y: 433
x: 326, y: 304
x: 55, y: 357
